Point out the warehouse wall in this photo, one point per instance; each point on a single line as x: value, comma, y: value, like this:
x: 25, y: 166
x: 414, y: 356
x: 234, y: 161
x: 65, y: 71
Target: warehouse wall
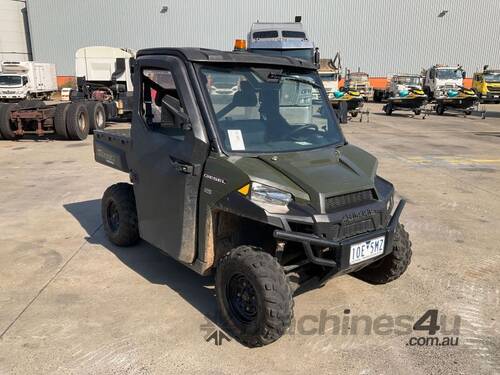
x: 14, y: 34
x: 380, y: 36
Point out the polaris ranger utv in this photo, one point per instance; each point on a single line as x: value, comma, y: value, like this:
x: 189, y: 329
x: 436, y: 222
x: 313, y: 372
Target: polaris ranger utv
x: 259, y: 186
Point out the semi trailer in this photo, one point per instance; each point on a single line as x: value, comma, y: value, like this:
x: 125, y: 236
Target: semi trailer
x: 21, y: 80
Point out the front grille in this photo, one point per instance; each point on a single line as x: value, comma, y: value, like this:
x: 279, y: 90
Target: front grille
x: 346, y: 200
x: 354, y: 229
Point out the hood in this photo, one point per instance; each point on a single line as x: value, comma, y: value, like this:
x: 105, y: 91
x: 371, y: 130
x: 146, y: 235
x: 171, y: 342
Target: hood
x: 320, y: 173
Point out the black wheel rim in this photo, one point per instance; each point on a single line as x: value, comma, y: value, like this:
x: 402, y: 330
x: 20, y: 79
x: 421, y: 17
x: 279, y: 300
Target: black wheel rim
x: 113, y: 217
x: 242, y: 299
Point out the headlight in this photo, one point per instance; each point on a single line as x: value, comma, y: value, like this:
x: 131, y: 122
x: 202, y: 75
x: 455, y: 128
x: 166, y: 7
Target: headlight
x: 260, y: 193
x: 390, y: 204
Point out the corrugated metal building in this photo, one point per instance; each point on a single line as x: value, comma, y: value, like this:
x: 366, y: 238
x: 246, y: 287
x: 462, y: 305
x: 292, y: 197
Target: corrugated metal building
x: 14, y: 33
x: 379, y: 37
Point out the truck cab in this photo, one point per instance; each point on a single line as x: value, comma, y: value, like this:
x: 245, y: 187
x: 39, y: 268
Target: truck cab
x: 20, y: 80
x: 282, y: 39
x: 438, y: 79
x: 486, y: 85
x: 359, y: 82
x: 403, y: 83
x: 261, y: 188
x: 12, y: 86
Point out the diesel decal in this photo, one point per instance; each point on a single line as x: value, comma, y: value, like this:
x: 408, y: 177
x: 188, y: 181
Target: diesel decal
x: 214, y: 178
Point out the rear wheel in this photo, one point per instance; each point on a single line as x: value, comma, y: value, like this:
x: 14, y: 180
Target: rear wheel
x: 97, y: 115
x: 391, y: 266
x: 253, y: 295
x: 7, y: 126
x: 440, y: 109
x: 77, y: 121
x: 119, y: 215
x: 60, y: 116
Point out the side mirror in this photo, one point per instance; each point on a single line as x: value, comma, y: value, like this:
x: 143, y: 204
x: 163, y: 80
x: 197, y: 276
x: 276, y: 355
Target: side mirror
x: 316, y: 57
x: 173, y: 106
x: 131, y: 64
x: 463, y: 74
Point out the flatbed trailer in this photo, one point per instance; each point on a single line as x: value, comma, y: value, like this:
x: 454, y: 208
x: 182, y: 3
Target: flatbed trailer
x: 68, y: 120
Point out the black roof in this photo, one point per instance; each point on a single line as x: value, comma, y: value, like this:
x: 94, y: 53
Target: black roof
x: 216, y: 56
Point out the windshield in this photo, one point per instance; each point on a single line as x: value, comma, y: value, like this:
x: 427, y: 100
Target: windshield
x: 409, y: 80
x: 329, y: 77
x: 272, y: 110
x: 449, y: 73
x: 10, y: 80
x: 304, y: 54
x: 492, y: 77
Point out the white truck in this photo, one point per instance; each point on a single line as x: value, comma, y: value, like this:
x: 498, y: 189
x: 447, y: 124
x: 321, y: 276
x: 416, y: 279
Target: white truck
x: 439, y: 78
x: 103, y: 74
x: 444, y: 85
x: 282, y: 39
x: 24, y: 80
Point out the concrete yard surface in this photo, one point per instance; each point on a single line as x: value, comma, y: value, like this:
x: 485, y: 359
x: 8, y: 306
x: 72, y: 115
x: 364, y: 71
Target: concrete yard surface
x: 72, y: 303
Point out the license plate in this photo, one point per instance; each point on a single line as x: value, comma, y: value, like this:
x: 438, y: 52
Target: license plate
x: 365, y: 250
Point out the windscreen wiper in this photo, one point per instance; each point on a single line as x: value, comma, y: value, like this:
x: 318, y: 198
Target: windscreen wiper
x: 280, y: 76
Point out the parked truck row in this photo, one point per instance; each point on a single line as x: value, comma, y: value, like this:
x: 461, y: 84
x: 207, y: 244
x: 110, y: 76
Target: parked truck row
x: 104, y: 92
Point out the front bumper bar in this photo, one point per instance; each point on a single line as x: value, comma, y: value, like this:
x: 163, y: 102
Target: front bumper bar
x: 344, y: 245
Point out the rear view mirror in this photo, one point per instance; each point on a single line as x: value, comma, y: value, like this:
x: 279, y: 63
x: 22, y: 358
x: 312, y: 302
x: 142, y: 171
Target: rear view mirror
x: 316, y: 57
x: 173, y: 106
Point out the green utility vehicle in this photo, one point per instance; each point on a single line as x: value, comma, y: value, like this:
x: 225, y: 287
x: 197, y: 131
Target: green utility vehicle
x: 257, y: 184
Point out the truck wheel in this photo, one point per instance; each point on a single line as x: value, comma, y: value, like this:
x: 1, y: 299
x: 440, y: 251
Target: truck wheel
x: 392, y: 266
x: 119, y: 215
x: 440, y: 109
x: 60, y: 116
x: 8, y: 127
x: 388, y: 109
x: 253, y: 296
x: 97, y: 116
x: 77, y: 121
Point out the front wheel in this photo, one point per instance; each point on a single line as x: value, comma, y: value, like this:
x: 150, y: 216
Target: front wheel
x: 391, y: 266
x: 119, y: 215
x: 253, y: 296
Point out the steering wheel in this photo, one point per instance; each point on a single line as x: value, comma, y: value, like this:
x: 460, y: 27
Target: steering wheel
x: 302, y: 128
